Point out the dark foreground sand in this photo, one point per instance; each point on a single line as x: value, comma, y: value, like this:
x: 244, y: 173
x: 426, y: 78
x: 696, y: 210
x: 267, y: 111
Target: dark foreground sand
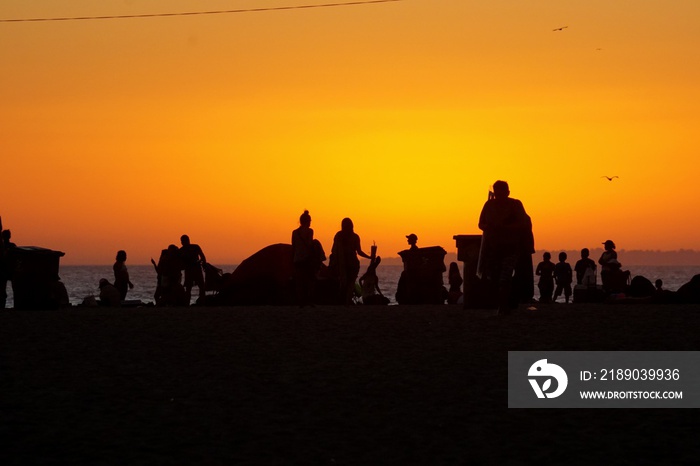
x: 329, y: 385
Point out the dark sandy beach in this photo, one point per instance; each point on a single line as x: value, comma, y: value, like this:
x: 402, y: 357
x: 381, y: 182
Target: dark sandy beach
x: 327, y: 385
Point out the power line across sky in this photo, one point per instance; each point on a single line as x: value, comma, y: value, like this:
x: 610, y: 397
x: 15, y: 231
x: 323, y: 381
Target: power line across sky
x: 196, y: 13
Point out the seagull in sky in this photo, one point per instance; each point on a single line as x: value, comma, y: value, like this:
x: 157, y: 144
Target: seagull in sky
x: 609, y: 178
x: 560, y: 29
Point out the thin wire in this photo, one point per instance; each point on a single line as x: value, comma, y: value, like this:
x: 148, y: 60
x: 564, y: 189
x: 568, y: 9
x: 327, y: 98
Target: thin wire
x: 194, y: 13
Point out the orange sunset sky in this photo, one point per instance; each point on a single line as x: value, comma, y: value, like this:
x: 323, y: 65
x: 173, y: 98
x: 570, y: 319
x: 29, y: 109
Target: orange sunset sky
x: 127, y: 133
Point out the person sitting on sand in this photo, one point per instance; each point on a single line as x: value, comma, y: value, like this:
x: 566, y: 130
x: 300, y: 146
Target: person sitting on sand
x: 455, y: 280
x: 109, y: 295
x: 58, y: 294
x: 371, y: 294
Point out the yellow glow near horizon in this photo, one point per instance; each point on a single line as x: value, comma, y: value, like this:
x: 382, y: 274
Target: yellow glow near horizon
x: 127, y: 134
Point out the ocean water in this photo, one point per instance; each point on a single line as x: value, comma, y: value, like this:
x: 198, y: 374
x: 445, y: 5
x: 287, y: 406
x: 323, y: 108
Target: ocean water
x: 81, y: 281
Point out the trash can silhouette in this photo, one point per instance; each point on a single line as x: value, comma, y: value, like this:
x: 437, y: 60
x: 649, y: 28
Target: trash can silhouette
x: 478, y: 292
x: 421, y: 280
x: 35, y: 278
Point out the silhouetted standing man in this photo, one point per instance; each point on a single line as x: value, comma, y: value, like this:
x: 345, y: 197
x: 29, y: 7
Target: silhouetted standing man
x: 192, y: 259
x: 507, y: 233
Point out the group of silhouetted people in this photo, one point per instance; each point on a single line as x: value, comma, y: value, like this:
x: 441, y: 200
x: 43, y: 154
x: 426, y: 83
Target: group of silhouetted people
x: 550, y: 273
x: 308, y: 255
x: 188, y: 258
x: 344, y: 268
x: 505, y: 258
x: 505, y: 261
x: 170, y: 289
x: 613, y: 278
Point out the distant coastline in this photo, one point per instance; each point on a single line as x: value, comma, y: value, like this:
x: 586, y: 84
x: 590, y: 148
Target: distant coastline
x: 628, y: 257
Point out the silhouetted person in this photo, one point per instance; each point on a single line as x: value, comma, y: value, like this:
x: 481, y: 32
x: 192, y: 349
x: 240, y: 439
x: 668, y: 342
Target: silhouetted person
x: 7, y: 239
x: 662, y: 295
x: 7, y: 264
x: 369, y: 282
x: 306, y: 260
x: 523, y: 276
x: 609, y: 266
x: 455, y: 281
x: 409, y: 281
x: 192, y: 260
x: 563, y: 276
x: 583, y: 265
x: 412, y: 241
x: 344, y: 261
x: 169, y: 290
x: 109, y: 295
x: 121, y: 275
x: 58, y: 294
x: 421, y: 281
x: 507, y: 236
x: 545, y: 270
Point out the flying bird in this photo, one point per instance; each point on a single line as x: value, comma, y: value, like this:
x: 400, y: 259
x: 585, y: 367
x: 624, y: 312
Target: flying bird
x: 609, y: 178
x: 560, y: 29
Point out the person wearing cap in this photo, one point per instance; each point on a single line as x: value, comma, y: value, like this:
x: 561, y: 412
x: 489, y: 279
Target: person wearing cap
x: 507, y: 236
x: 409, y: 281
x: 412, y: 239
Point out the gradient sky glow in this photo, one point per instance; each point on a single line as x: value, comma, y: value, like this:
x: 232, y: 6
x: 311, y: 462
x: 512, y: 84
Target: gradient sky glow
x: 125, y: 134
